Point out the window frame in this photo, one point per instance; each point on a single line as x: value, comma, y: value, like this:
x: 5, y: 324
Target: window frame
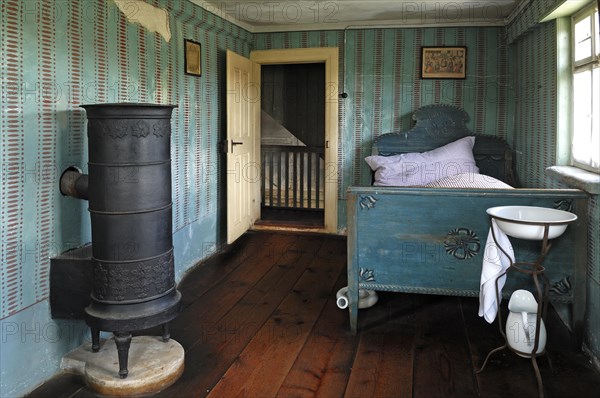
x: 586, y: 64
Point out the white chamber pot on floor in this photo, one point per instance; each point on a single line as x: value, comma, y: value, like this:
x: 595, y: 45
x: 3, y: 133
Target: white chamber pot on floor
x: 520, y: 324
x: 366, y: 298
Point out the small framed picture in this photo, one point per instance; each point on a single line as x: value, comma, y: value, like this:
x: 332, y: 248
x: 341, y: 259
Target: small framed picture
x: 443, y: 62
x: 193, y: 60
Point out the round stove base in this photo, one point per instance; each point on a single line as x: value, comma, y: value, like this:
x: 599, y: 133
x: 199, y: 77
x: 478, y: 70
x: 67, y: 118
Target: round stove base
x: 155, y: 365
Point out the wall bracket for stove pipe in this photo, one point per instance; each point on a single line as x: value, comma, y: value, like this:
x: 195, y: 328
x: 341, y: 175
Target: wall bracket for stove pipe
x: 71, y: 271
x: 129, y: 194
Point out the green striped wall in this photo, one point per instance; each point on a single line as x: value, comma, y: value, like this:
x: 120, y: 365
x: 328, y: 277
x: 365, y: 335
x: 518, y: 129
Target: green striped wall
x: 379, y: 69
x: 57, y: 55
x: 534, y: 57
x: 529, y: 17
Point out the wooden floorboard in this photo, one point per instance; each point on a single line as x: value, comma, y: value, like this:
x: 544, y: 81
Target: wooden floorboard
x: 323, y: 366
x: 260, y: 368
x: 223, y: 334
x: 260, y: 320
x: 383, y: 364
x: 443, y: 366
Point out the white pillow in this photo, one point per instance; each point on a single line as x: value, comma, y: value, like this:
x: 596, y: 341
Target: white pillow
x: 414, y: 169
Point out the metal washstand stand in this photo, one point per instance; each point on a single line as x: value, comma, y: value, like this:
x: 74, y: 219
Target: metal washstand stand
x: 514, y: 220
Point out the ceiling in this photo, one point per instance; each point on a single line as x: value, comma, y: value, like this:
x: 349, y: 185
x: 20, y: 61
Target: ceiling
x: 286, y: 15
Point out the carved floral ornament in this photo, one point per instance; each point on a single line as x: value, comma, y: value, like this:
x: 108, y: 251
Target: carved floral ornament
x: 135, y: 127
x: 462, y: 243
x: 564, y: 204
x: 562, y: 287
x: 136, y: 280
x: 366, y: 275
x: 367, y: 202
x: 441, y: 125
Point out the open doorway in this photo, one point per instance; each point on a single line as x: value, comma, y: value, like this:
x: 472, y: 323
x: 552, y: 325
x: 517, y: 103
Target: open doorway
x: 243, y: 135
x: 292, y: 145
x: 329, y: 57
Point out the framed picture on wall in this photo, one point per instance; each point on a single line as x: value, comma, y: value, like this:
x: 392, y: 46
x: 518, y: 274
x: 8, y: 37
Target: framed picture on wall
x: 193, y: 60
x: 443, y: 62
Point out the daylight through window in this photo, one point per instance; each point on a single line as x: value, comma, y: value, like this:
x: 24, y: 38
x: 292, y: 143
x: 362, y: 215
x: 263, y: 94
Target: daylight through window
x: 585, y: 149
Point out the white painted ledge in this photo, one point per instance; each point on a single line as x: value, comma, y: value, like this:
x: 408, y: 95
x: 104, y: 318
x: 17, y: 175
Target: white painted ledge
x: 576, y: 178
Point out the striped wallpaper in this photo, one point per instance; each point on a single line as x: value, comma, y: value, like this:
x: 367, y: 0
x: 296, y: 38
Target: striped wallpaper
x: 535, y: 106
x: 59, y: 55
x: 529, y: 17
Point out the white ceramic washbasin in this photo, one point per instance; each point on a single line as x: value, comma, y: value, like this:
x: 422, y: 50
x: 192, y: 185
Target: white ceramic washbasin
x: 511, y: 220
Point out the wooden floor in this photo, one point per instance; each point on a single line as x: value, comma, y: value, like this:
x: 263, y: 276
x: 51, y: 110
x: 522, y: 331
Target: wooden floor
x: 260, y: 320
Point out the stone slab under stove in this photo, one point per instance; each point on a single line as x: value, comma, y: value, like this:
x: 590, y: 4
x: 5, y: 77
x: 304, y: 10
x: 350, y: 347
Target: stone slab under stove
x: 154, y: 366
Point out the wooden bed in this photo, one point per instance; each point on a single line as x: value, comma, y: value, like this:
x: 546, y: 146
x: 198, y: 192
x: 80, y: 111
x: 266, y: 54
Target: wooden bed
x: 431, y: 240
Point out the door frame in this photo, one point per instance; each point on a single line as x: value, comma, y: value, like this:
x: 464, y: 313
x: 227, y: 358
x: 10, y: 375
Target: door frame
x: 328, y: 56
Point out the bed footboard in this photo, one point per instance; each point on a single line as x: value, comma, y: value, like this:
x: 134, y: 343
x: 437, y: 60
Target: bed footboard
x: 432, y: 241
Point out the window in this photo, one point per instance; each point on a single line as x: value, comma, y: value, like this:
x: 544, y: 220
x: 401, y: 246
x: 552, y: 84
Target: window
x: 585, y: 147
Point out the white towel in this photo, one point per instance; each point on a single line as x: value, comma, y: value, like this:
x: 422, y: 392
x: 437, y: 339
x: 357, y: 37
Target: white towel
x: 494, y: 263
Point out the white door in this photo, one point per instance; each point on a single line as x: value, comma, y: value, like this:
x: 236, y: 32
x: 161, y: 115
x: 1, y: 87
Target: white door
x: 243, y: 164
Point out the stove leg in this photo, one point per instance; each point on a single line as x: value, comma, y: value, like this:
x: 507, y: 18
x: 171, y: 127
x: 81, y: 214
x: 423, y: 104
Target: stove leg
x: 95, y: 339
x: 166, y: 335
x: 123, y: 341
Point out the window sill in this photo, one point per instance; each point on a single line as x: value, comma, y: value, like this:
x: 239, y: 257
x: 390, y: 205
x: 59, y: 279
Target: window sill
x: 576, y: 178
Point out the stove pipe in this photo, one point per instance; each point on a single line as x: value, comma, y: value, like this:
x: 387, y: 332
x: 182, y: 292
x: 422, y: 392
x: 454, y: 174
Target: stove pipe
x: 129, y: 193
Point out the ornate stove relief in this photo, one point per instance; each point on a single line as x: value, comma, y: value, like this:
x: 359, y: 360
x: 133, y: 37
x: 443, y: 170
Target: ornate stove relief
x: 133, y: 281
x: 139, y: 128
x: 161, y: 127
x: 118, y: 130
x: 462, y: 243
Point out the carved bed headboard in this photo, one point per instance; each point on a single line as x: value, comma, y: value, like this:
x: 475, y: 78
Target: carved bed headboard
x: 438, y: 125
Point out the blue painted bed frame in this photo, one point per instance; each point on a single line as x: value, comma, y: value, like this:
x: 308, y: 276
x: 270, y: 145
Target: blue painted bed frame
x: 431, y: 240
